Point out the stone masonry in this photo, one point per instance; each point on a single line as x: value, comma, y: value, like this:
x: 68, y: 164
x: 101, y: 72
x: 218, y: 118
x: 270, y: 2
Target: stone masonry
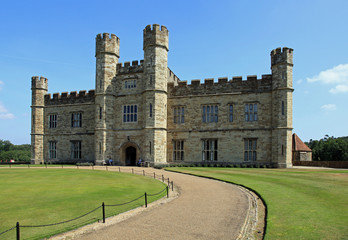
x: 143, y: 110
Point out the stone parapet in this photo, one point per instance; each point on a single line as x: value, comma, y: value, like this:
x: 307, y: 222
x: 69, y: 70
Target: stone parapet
x: 236, y: 84
x: 126, y: 67
x: 72, y: 98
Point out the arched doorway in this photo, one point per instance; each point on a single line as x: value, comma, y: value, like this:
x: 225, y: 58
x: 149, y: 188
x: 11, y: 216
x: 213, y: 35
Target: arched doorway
x: 131, y: 156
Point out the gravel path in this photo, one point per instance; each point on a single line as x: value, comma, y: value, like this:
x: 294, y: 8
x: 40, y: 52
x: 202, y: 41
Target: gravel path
x: 205, y: 209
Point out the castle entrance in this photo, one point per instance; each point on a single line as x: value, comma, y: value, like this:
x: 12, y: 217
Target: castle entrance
x: 131, y: 156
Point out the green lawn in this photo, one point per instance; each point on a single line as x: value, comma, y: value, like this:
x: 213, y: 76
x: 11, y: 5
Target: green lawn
x: 44, y: 196
x: 302, y: 204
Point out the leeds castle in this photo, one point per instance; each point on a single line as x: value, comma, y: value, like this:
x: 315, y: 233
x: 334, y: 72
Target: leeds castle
x: 143, y: 110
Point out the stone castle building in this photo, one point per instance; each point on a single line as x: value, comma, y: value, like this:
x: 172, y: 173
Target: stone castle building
x: 143, y: 110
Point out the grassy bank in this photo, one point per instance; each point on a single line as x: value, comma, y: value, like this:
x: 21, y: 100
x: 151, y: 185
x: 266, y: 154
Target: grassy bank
x: 45, y: 196
x: 302, y: 204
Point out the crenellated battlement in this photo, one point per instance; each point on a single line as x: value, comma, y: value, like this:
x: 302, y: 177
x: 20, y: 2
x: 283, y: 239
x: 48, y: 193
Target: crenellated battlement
x: 156, y: 36
x: 39, y: 83
x: 172, y: 77
x: 282, y: 55
x: 223, y: 85
x: 65, y: 98
x: 126, y: 67
x: 107, y: 45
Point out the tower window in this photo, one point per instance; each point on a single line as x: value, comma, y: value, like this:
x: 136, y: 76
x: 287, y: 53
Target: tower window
x: 76, y: 120
x: 230, y: 114
x: 129, y: 84
x: 150, y: 110
x: 52, y: 121
x: 179, y: 114
x: 283, y: 108
x: 210, y: 113
x: 52, y: 149
x: 209, y: 150
x: 76, y: 149
x: 100, y: 112
x: 251, y: 112
x: 178, y: 150
x: 130, y: 113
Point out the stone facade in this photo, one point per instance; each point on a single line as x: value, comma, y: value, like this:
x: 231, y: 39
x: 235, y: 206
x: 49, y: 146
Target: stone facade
x: 143, y: 110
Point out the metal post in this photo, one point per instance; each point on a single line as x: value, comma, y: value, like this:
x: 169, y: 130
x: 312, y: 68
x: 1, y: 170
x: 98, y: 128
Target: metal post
x: 10, y: 165
x: 172, y: 186
x: 18, y: 231
x: 106, y: 168
x: 28, y: 166
x: 167, y: 192
x: 154, y: 175
x: 77, y: 166
x: 119, y: 169
x: 162, y: 178
x: 92, y: 167
x: 103, y: 206
x: 144, y: 172
x: 145, y: 199
x: 46, y: 165
x: 62, y: 165
x: 168, y: 182
x: 132, y: 170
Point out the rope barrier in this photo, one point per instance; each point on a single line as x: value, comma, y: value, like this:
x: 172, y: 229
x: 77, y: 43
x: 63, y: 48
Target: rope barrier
x: 120, y: 204
x: 53, y: 224
x: 154, y: 194
x: 7, y: 230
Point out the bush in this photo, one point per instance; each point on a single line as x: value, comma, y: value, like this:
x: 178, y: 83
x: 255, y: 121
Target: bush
x: 84, y: 164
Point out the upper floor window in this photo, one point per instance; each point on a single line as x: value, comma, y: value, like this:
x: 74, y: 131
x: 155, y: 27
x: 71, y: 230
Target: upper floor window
x: 230, y: 113
x: 251, y: 112
x: 250, y: 149
x: 76, y: 120
x: 209, y: 150
x: 52, y: 121
x: 130, y: 113
x: 76, y: 149
x: 130, y: 84
x: 52, y: 150
x: 178, y: 150
x: 283, y: 108
x: 100, y: 112
x: 150, y: 110
x: 179, y: 114
x: 210, y: 113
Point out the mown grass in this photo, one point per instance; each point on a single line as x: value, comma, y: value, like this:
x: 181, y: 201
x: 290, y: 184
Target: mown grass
x: 302, y: 204
x: 44, y: 196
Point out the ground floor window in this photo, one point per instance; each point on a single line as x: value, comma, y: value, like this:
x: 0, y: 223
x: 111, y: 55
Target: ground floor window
x: 52, y: 150
x: 178, y: 150
x: 209, y: 150
x: 250, y: 146
x: 76, y: 149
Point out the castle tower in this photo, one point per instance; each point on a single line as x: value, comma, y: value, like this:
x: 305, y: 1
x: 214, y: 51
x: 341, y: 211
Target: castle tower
x: 39, y: 88
x: 155, y: 95
x: 281, y: 65
x: 107, y: 54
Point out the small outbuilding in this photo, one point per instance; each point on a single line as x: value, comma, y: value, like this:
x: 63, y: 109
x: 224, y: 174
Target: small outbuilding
x: 300, y: 151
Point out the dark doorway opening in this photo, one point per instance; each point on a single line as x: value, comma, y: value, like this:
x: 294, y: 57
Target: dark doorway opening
x: 131, y: 155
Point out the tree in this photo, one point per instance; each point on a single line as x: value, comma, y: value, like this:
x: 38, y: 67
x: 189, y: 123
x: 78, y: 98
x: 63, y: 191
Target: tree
x: 329, y: 149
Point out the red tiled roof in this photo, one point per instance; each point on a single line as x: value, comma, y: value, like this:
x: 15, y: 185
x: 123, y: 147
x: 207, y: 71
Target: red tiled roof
x: 298, y: 145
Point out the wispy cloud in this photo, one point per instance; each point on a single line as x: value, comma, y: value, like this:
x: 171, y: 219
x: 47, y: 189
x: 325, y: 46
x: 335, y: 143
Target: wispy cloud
x: 1, y: 85
x: 335, y: 76
x: 4, y: 113
x: 329, y: 107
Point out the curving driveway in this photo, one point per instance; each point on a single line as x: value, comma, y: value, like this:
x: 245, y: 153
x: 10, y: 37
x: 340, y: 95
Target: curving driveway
x: 205, y: 209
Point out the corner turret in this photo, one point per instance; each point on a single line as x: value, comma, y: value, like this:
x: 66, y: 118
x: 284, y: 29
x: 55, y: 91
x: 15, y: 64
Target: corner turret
x: 39, y: 87
x: 107, y: 45
x: 155, y: 36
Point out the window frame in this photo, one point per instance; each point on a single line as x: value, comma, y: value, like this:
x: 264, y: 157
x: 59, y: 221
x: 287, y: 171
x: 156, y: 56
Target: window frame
x: 251, y: 112
x: 209, y: 150
x: 52, y: 149
x: 76, y: 149
x: 210, y: 113
x: 179, y: 114
x: 52, y: 121
x: 178, y: 150
x: 76, y: 119
x: 130, y: 113
x: 250, y: 149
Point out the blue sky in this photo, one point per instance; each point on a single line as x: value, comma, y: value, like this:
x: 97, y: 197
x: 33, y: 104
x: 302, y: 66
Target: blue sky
x: 207, y: 39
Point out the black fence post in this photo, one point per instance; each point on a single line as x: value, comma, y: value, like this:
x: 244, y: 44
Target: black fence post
x: 18, y: 231
x: 106, y: 168
x: 172, y: 186
x: 10, y: 165
x: 92, y: 167
x: 62, y: 165
x: 168, y: 182
x: 144, y: 172
x: 28, y: 166
x: 145, y: 199
x: 162, y: 178
x: 46, y: 165
x: 154, y: 175
x: 119, y: 169
x: 103, y: 206
x: 132, y: 170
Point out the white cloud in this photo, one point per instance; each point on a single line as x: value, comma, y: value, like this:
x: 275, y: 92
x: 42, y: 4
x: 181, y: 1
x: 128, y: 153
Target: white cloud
x: 299, y: 81
x: 1, y: 85
x: 339, y: 89
x: 4, y: 114
x: 337, y: 75
x: 328, y: 107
